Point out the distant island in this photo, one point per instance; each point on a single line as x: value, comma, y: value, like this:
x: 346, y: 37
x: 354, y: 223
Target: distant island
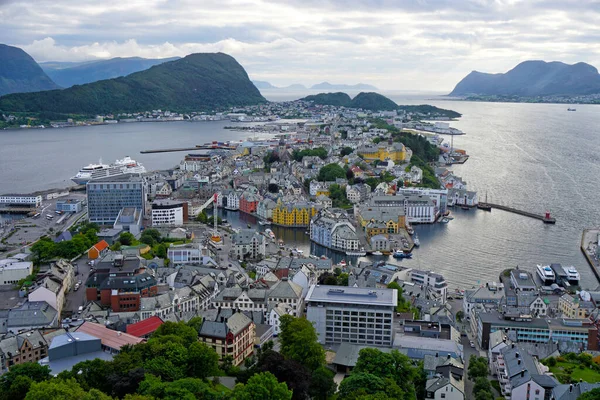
x: 204, y: 81
x: 19, y: 73
x: 376, y: 102
x: 533, y: 81
x: 263, y: 85
x: 69, y: 74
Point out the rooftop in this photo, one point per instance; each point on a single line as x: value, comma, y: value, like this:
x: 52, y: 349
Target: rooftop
x: 111, y: 339
x: 352, y: 295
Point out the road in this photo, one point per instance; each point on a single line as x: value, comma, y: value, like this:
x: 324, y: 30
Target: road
x: 76, y: 298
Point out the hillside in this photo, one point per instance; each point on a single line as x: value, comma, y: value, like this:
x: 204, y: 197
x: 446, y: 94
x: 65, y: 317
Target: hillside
x: 19, y: 73
x: 337, y: 99
x: 330, y: 86
x: 372, y: 101
x: 263, y: 85
x: 67, y: 75
x: 531, y: 79
x: 203, y: 81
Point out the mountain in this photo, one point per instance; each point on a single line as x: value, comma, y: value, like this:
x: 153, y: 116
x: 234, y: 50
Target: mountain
x: 263, y: 85
x: 295, y: 86
x: 337, y: 99
x: 20, y: 73
x: 69, y: 74
x: 365, y: 100
x: 329, y: 86
x: 203, y: 81
x: 531, y: 79
x: 372, y: 101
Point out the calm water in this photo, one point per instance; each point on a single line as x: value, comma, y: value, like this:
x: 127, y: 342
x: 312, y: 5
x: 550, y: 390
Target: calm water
x: 534, y: 156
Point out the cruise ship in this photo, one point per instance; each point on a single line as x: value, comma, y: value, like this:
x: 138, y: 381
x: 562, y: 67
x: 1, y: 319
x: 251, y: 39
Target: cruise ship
x: 546, y: 274
x: 97, y: 171
x: 572, y: 275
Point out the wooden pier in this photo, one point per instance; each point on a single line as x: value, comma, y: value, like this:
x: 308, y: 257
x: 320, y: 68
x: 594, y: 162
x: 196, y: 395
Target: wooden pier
x: 168, y: 150
x: 590, y: 235
x: 208, y: 146
x: 546, y: 218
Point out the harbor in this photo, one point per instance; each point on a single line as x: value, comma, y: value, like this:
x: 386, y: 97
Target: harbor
x: 589, y: 248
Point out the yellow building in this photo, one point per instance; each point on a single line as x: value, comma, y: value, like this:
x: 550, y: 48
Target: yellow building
x: 293, y: 214
x: 570, y: 307
x: 381, y: 220
x: 383, y: 151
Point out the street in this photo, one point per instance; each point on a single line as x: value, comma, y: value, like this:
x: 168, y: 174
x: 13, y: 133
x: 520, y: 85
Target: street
x: 76, y: 298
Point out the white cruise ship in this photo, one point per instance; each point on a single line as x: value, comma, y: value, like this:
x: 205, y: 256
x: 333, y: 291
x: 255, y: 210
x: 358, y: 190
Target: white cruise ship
x: 546, y: 274
x: 572, y: 275
x: 97, y: 171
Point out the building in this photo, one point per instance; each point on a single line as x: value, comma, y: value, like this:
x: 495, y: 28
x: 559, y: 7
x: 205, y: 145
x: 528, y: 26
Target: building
x: 490, y: 294
x: 106, y: 198
x: 22, y: 200
x: 332, y: 228
x: 190, y: 253
x: 249, y: 202
x: 377, y: 220
x: 573, y: 307
x: 522, y: 281
x: 442, y: 387
x: 353, y: 315
x: 248, y: 243
x: 98, y: 250
x: 293, y: 214
x: 145, y: 328
x: 265, y: 208
x: 231, y: 337
x: 439, y: 197
x: 419, y: 209
x: 69, y: 205
x: 432, y: 280
x: 13, y: 270
x: 394, y: 151
x: 70, y: 348
x: 28, y: 346
x: 112, y: 341
x: 31, y: 315
x: 229, y: 200
x: 169, y: 212
x: 129, y: 220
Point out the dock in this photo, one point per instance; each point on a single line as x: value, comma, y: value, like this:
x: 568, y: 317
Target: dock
x: 168, y: 150
x: 208, y: 146
x: 546, y: 218
x: 588, y: 237
x: 17, y: 210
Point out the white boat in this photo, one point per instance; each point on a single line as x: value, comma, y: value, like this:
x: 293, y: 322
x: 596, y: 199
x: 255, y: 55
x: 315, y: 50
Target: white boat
x: 377, y: 253
x: 297, y: 250
x: 270, y: 233
x: 572, y: 275
x: 126, y: 165
x: 546, y: 274
x: 261, y: 222
x: 416, y: 241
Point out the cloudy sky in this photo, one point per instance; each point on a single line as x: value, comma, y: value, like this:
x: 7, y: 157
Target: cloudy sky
x: 393, y: 44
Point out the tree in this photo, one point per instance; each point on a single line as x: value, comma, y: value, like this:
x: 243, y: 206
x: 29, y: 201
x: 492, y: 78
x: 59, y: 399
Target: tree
x: 358, y: 384
x: 161, y: 251
x: 126, y: 239
x: 330, y: 172
x: 294, y: 374
x: 273, y: 188
x: 93, y: 374
x: 55, y: 389
x: 195, y: 323
x: 43, y: 250
x: 202, y: 361
x: 460, y: 315
x: 181, y: 330
x: 346, y: 151
x: 591, y: 395
x: 263, y: 386
x: 19, y: 377
x: 299, y: 342
x: 202, y: 217
x: 394, y: 366
x: 478, y: 367
x: 322, y: 384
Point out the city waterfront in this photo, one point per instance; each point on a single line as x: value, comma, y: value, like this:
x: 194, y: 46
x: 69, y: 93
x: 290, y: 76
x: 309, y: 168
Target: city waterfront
x: 536, y: 157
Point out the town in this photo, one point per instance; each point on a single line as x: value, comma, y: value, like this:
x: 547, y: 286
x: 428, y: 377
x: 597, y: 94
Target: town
x: 113, y: 260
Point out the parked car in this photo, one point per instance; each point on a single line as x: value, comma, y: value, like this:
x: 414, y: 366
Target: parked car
x: 472, y: 344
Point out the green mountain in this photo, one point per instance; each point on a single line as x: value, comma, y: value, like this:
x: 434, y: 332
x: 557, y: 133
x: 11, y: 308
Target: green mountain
x: 365, y: 100
x: 203, y: 81
x: 372, y: 101
x: 337, y: 99
x: 67, y: 75
x: 531, y: 79
x: 20, y: 73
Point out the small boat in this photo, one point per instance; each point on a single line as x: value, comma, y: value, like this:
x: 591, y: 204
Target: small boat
x: 571, y: 109
x: 401, y: 254
x: 444, y: 220
x: 265, y: 222
x: 572, y: 275
x: 416, y: 241
x: 410, y: 230
x: 465, y: 207
x: 297, y: 250
x: 357, y: 253
x: 270, y: 233
x: 249, y: 226
x: 342, y: 263
x: 377, y: 253
x: 485, y: 206
x: 546, y: 274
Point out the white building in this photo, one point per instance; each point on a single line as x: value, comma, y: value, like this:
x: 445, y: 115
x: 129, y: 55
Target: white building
x: 185, y: 254
x: 352, y: 315
x: 248, y: 243
x: 419, y: 209
x: 12, y: 271
x: 432, y: 280
x: 21, y: 200
x: 168, y: 213
x: 445, y: 388
x: 275, y: 315
x: 229, y: 200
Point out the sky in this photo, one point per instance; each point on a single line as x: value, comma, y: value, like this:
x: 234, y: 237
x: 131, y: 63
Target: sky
x: 416, y: 45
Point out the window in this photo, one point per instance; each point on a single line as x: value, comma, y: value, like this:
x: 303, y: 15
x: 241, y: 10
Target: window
x: 443, y: 396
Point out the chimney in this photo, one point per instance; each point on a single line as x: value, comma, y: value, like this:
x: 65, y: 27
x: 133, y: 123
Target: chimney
x: 522, y: 373
x: 519, y: 362
x: 513, y: 345
x: 448, y: 357
x: 571, y: 387
x: 436, y: 355
x: 517, y: 355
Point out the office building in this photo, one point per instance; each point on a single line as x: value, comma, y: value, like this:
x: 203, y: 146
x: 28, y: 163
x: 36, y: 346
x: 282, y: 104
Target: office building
x: 169, y: 212
x: 106, y: 198
x: 352, y: 315
x: 22, y: 200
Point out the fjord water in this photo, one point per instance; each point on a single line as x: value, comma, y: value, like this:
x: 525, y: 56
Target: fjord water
x: 536, y: 157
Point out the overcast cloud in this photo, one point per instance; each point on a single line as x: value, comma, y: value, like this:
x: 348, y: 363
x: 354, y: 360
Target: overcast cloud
x: 411, y: 45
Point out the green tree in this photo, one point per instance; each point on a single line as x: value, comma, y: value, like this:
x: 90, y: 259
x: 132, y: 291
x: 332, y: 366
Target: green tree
x: 55, y: 389
x: 263, y: 386
x: 322, y: 384
x: 478, y: 367
x: 360, y: 384
x: 195, y: 323
x: 21, y: 376
x: 299, y: 342
x: 126, y: 239
x: 93, y: 374
x: 330, y: 172
x: 591, y: 395
x: 202, y: 361
x: 95, y: 394
x: 161, y: 251
x: 346, y: 151
x: 202, y: 217
x: 43, y: 250
x: 181, y: 330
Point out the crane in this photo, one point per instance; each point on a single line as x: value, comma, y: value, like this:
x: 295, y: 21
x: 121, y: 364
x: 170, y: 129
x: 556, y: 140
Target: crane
x: 213, y: 199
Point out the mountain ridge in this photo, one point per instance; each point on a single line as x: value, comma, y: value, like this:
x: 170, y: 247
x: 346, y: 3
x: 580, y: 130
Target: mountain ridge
x: 202, y: 81
x: 19, y: 73
x: 365, y: 100
x: 531, y: 79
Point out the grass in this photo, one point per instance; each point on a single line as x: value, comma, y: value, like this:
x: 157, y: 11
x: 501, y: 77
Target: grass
x: 586, y: 374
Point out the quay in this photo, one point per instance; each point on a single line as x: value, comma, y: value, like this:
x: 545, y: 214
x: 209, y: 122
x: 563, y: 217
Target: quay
x: 17, y: 210
x: 546, y: 218
x: 207, y: 146
x: 168, y: 150
x: 589, y: 240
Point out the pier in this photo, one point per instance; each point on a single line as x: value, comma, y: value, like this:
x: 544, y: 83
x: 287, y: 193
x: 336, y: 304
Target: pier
x: 207, y: 146
x: 546, y: 218
x: 589, y: 237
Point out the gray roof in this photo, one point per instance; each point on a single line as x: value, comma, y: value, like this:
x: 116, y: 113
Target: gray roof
x: 13, y: 344
x: 352, y: 295
x: 297, y: 263
x: 32, y: 313
x: 572, y: 392
x: 286, y: 290
x: 245, y: 236
x: 234, y: 324
x: 347, y: 353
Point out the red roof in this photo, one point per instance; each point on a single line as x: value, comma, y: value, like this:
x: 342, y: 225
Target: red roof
x: 101, y: 245
x: 109, y: 338
x: 144, y: 327
x: 282, y: 273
